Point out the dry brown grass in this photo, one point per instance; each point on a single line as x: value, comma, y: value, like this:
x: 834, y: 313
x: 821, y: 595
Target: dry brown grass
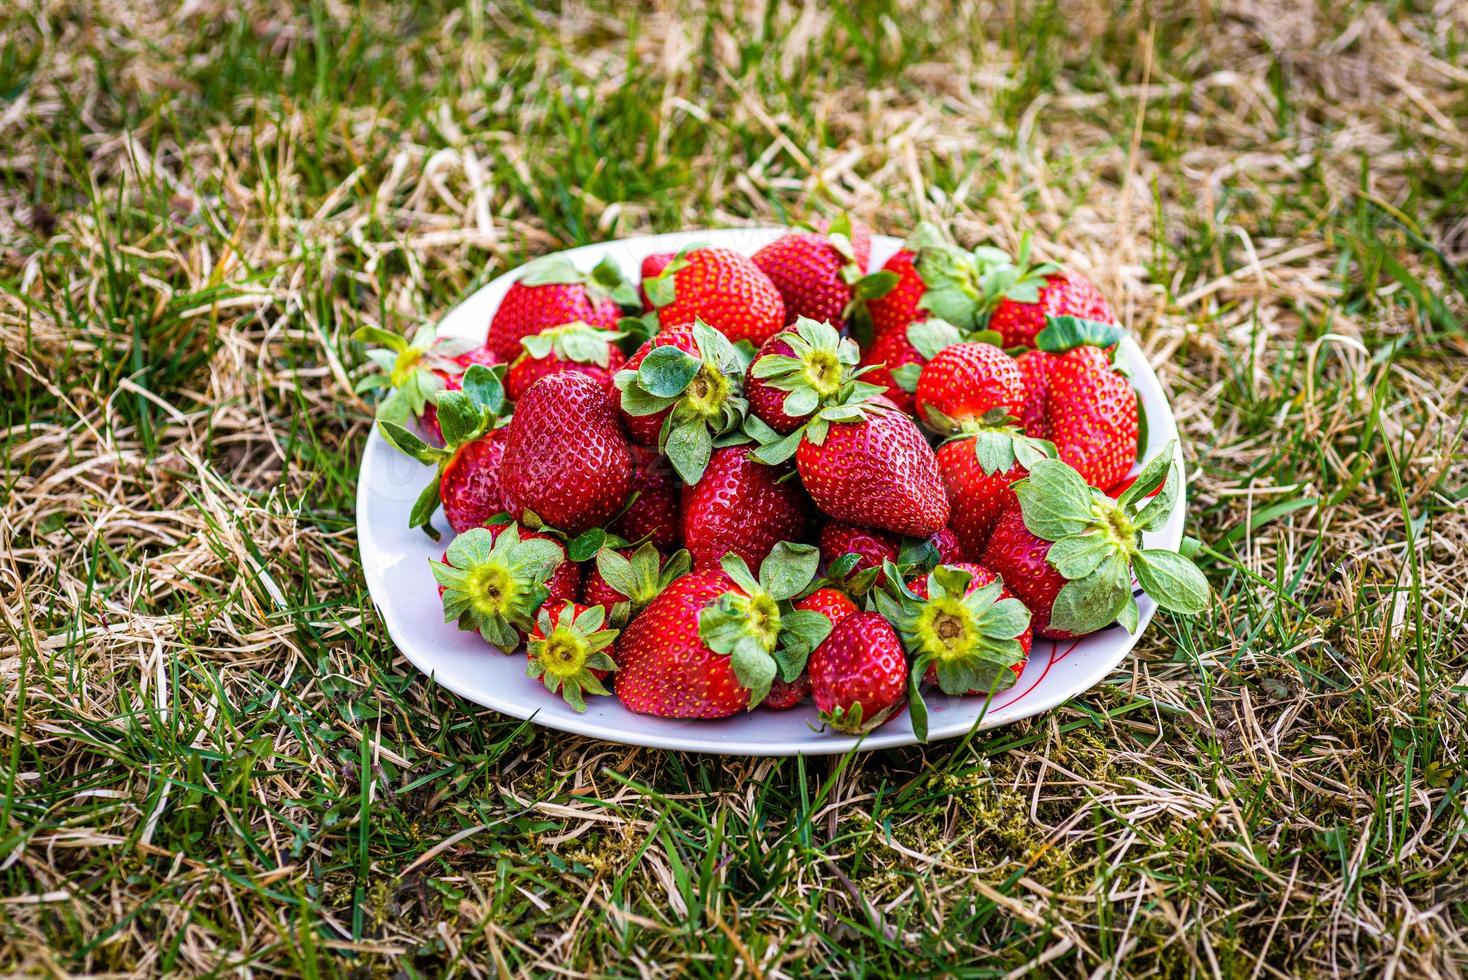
x: 199, y: 205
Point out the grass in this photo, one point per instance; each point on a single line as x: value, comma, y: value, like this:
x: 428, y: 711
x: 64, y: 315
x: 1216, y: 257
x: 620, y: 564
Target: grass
x: 212, y: 761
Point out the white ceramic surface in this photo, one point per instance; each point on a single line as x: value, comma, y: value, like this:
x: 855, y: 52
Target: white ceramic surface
x: 395, y: 561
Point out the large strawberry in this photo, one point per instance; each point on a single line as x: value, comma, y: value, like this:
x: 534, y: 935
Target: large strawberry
x: 551, y: 292
x: 655, y: 512
x: 1022, y: 315
x: 966, y: 382
x: 415, y: 371
x: 865, y: 462
x: 632, y: 577
x: 494, y: 581
x: 470, y: 477
x: 1068, y: 551
x: 835, y: 606
x: 722, y: 288
x: 978, y: 467
x: 1091, y: 416
x: 566, y: 459
x: 741, y: 506
x: 711, y: 644
x: 681, y: 391
x: 960, y: 628
x: 569, y: 652
x: 576, y: 347
x: 819, y: 273
x: 799, y: 371
x: 858, y: 675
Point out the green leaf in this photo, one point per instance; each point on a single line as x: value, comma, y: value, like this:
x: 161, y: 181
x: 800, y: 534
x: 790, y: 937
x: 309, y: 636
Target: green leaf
x: 791, y: 660
x: 917, y: 708
x: 994, y: 450
x: 459, y: 418
x: 689, y: 448
x: 875, y: 285
x: 383, y: 338
x: 636, y: 401
x: 789, y: 569
x: 1156, y: 511
x: 660, y: 289
x: 484, y: 388
x: 586, y: 544
x: 906, y: 376
x: 1172, y: 580
x: 738, y: 569
x: 551, y: 270
x: 617, y: 571
x: 1151, y: 476
x: 408, y: 444
x: 424, y: 507
x: 805, y: 629
x: 754, y: 668
x: 1087, y: 604
x: 929, y: 337
x: 1130, y: 617
x: 774, y: 453
x: 1063, y: 333
x: 1055, y: 500
x: 666, y: 371
x: 1077, y: 555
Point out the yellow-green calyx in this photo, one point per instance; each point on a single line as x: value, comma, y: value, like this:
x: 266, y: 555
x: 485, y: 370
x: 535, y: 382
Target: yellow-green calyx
x: 823, y: 371
x: 945, y: 629
x: 764, y: 620
x: 563, y: 654
x: 493, y: 582
x: 492, y: 589
x: 707, y: 392
x: 404, y: 366
x: 570, y: 652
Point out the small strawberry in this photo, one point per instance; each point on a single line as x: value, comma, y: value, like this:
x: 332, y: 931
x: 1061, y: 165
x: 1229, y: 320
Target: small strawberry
x: 681, y: 391
x: 470, y: 479
x: 494, y: 581
x: 631, y: 576
x: 569, y: 651
x: 799, y: 371
x: 739, y: 505
x: 656, y: 511
x: 858, y: 675
x: 722, y: 288
x: 961, y: 628
x: 964, y: 383
x: 711, y: 644
x: 865, y: 462
x: 821, y: 273
x: 566, y: 459
x: 416, y: 371
x: 1069, y: 552
x: 552, y: 291
x: 884, y: 362
x: 1023, y: 314
x: 977, y: 498
x: 835, y: 606
x: 574, y: 347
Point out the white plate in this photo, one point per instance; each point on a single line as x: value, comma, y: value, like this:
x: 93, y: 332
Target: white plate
x: 395, y: 560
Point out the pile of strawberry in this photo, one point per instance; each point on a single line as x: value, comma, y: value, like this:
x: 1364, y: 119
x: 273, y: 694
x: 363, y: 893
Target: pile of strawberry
x: 749, y: 481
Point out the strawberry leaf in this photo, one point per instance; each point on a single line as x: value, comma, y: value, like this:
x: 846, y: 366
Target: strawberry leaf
x: 688, y: 447
x: 667, y: 371
x: 929, y: 337
x: 1087, y: 604
x: 551, y: 270
x: 754, y: 667
x: 408, y: 444
x: 1172, y: 580
x: 383, y: 338
x: 1065, y: 332
x: 423, y: 508
x: 789, y: 569
x: 1055, y: 500
x: 459, y: 419
x: 1077, y: 555
x: 586, y: 544
x: 917, y: 708
x: 484, y: 387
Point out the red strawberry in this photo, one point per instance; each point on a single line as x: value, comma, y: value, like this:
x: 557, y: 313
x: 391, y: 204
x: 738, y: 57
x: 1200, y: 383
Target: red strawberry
x: 655, y: 513
x: 966, y: 382
x: 1062, y: 294
x: 889, y: 352
x: 1018, y: 557
x: 682, y: 390
x: 566, y: 458
x: 899, y: 306
x: 858, y: 675
x: 977, y: 497
x: 980, y: 577
x: 712, y: 642
x: 1035, y: 367
x: 633, y: 576
x: 817, y: 273
x: 652, y: 267
x: 571, y: 347
x: 471, y: 483
x: 874, y: 547
x: 722, y: 288
x: 946, y: 541
x: 570, y: 652
x: 1091, y: 411
x: 741, y: 506
x: 494, y: 581
x: 552, y: 292
x: 835, y: 606
x: 798, y: 372
x: 452, y: 382
x: 873, y: 467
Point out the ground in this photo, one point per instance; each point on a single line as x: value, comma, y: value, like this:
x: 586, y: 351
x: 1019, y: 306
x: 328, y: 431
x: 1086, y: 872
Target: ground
x: 212, y: 759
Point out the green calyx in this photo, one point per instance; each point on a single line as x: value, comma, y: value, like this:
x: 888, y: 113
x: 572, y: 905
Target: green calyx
x: 567, y: 649
x: 929, y: 337
x: 999, y: 442
x: 463, y: 416
x: 1064, y: 332
x: 702, y: 393
x: 758, y: 627
x: 1097, y: 544
x: 604, y: 280
x: 578, y: 343
x: 641, y: 577
x: 408, y: 369
x: 495, y: 585
x: 964, y: 287
x: 850, y: 403
x: 821, y: 364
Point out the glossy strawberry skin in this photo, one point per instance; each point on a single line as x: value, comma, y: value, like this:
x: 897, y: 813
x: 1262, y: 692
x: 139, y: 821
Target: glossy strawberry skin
x: 566, y: 458
x: 860, y: 662
x: 1091, y: 411
x: 452, y: 382
x: 890, y: 351
x: 981, y: 577
x: 873, y: 546
x: 967, y: 381
x: 528, y: 310
x: 645, y: 429
x: 807, y: 270
x: 899, y: 307
x: 657, y: 513
x: 976, y: 498
x: 950, y: 548
x: 785, y: 695
x: 741, y: 506
x: 878, y: 471
x: 766, y: 402
x: 664, y: 666
x: 471, y: 486
x: 1018, y: 557
x: 527, y: 370
x: 834, y: 604
x: 728, y: 292
x: 1064, y: 294
x: 1035, y: 367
